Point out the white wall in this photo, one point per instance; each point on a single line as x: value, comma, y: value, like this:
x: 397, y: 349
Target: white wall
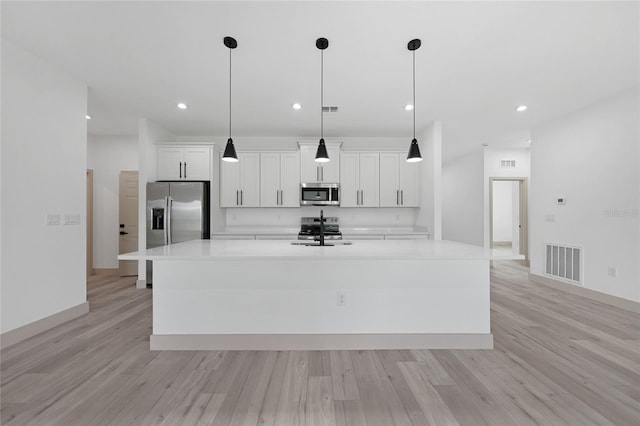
x: 590, y: 157
x: 462, y: 199
x: 44, y: 158
x: 108, y: 156
x: 502, y: 211
x: 149, y: 133
x: 430, y: 212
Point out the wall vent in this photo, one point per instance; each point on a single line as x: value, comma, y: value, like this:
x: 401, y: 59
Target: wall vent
x: 564, y: 262
x: 329, y: 109
x: 507, y: 163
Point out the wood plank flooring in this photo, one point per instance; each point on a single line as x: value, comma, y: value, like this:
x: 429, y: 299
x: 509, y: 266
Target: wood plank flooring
x: 558, y: 360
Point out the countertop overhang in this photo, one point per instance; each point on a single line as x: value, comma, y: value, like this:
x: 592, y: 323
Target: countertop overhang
x: 414, y: 250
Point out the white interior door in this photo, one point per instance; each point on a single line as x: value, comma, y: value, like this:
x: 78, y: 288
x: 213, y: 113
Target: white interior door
x: 128, y: 212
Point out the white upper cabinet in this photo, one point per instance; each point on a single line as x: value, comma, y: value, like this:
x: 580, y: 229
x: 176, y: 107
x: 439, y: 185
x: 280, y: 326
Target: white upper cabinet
x: 399, y: 181
x: 359, y: 179
x: 184, y: 163
x: 240, y: 181
x: 280, y: 179
x: 312, y: 171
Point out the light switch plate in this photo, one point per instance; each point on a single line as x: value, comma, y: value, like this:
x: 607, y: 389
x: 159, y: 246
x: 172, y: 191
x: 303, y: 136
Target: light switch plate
x: 53, y: 219
x: 72, y: 219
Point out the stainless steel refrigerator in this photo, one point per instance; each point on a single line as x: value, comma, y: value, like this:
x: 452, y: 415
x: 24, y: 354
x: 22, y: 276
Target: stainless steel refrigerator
x: 176, y: 212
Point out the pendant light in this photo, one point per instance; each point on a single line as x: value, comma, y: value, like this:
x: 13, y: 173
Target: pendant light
x: 229, y: 150
x: 414, y: 151
x: 322, y: 156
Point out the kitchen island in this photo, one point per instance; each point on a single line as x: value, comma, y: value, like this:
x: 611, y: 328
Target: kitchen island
x: 271, y: 295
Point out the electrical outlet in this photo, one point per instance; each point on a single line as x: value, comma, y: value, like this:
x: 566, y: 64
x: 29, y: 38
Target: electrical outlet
x: 53, y: 219
x: 612, y: 271
x: 341, y: 299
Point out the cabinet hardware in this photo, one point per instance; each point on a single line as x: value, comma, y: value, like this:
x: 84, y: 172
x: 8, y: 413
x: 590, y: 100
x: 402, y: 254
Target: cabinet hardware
x: 181, y: 170
x: 322, y: 173
x: 397, y: 197
x: 237, y: 197
x: 185, y: 169
x: 241, y: 203
x: 123, y: 233
x: 362, y: 197
x: 402, y: 197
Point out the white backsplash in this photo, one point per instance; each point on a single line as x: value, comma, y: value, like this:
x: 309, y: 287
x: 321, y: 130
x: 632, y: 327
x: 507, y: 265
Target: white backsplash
x: 348, y: 216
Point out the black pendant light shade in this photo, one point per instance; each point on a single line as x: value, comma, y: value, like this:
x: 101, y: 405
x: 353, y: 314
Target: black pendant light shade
x: 322, y: 156
x: 414, y: 150
x: 230, y: 150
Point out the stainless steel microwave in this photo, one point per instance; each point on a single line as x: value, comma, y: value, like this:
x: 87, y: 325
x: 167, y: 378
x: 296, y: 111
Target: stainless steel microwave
x: 320, y: 194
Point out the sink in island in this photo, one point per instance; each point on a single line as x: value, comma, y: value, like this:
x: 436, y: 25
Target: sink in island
x: 271, y: 295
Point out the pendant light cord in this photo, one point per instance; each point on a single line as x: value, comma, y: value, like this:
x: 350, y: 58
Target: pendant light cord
x: 322, y: 94
x: 414, y: 94
x: 229, y: 93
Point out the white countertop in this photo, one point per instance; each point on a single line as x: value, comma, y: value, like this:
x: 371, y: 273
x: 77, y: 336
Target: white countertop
x: 283, y: 250
x: 346, y: 230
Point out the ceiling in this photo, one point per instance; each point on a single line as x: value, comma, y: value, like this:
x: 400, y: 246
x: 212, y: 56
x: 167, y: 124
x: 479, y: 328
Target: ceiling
x: 478, y: 61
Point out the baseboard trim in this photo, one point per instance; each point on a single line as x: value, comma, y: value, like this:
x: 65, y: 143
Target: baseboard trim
x: 106, y: 271
x: 618, y: 302
x: 141, y: 284
x: 24, y: 332
x: 312, y: 342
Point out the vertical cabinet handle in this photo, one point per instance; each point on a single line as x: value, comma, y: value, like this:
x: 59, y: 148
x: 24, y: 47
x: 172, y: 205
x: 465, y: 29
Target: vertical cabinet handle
x: 181, y: 170
x: 397, y: 197
x: 362, y: 197
x: 237, y: 197
x: 402, y: 197
x: 322, y: 173
x: 185, y: 169
x: 241, y: 203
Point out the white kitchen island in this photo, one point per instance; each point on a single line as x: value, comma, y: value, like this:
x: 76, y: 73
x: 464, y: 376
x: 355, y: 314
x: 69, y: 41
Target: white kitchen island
x: 271, y: 295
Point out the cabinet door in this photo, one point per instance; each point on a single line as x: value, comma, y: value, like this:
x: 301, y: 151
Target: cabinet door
x: 389, y: 184
x: 409, y: 183
x: 330, y: 171
x: 170, y: 163
x: 270, y: 179
x: 369, y: 179
x: 349, y: 185
x: 196, y: 163
x: 229, y: 184
x: 290, y: 179
x: 249, y: 179
x: 309, y: 169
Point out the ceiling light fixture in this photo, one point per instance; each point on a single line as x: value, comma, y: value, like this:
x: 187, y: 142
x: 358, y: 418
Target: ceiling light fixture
x: 296, y: 106
x: 521, y: 108
x: 322, y: 156
x: 182, y: 105
x: 408, y: 107
x: 88, y: 117
x: 414, y: 151
x: 229, y: 150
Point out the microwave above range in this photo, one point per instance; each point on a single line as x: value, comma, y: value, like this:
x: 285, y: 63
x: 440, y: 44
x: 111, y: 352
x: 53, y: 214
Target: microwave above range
x: 320, y: 194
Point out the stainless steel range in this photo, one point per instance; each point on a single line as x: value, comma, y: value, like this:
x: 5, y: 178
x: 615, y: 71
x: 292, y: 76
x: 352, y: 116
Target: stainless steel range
x: 310, y: 228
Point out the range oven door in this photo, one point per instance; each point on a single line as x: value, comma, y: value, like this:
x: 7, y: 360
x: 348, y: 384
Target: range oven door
x: 319, y: 194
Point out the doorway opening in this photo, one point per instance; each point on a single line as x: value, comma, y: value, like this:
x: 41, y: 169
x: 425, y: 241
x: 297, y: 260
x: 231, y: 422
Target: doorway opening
x: 508, y: 221
x: 128, y: 214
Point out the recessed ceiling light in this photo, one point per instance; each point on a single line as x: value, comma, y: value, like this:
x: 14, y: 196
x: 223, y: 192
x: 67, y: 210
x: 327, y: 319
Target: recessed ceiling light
x: 182, y: 105
x: 408, y: 107
x: 88, y: 117
x: 521, y: 108
x: 296, y: 106
x: 529, y: 140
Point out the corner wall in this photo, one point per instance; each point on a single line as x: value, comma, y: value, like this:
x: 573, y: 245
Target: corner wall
x: 108, y: 156
x: 44, y: 159
x: 591, y: 157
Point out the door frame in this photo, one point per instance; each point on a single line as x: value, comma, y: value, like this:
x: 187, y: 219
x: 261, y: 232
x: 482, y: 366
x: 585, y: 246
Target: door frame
x: 523, y: 209
x: 89, y: 223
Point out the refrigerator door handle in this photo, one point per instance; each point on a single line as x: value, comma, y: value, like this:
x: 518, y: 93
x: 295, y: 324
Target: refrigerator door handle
x: 169, y: 207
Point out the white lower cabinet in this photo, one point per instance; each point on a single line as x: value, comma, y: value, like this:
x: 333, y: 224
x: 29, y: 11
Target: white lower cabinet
x: 399, y: 181
x: 280, y: 179
x: 240, y: 181
x: 359, y: 179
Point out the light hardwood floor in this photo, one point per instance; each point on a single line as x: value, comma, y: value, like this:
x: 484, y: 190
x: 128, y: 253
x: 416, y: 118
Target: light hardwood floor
x: 558, y: 360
